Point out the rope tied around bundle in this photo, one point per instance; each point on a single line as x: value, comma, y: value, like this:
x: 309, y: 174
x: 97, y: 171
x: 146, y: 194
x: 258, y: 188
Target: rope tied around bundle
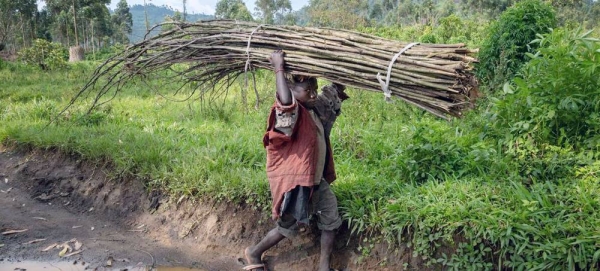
x: 385, y: 86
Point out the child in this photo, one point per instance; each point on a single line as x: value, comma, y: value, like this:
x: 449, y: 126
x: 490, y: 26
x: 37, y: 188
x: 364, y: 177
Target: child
x: 300, y: 162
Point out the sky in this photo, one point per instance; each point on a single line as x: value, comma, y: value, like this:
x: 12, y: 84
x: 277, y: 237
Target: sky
x: 197, y: 6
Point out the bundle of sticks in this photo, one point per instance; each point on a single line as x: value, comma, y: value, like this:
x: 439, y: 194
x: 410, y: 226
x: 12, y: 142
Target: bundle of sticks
x: 434, y: 77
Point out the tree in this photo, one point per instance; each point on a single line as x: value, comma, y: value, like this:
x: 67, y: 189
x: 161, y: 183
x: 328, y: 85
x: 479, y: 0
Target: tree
x: 17, y: 19
x: 184, y: 9
x: 232, y: 9
x: 63, y: 11
x: 273, y: 11
x: 349, y: 14
x: 122, y: 22
x: 491, y: 8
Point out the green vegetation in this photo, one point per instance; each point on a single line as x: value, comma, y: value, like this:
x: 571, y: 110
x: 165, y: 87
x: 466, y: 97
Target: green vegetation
x: 514, y: 185
x: 504, y: 51
x: 45, y: 54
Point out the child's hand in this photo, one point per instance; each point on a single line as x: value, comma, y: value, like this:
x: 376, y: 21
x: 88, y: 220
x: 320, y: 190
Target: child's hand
x: 277, y: 59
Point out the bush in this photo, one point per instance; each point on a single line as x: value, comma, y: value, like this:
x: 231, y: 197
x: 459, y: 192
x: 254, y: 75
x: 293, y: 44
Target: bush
x: 556, y: 98
x: 503, y: 51
x: 547, y: 121
x: 44, y: 54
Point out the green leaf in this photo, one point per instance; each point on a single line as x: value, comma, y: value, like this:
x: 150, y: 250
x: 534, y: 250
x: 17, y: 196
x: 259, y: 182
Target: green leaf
x: 587, y: 33
x: 507, y: 88
x: 596, y: 256
x: 530, y: 55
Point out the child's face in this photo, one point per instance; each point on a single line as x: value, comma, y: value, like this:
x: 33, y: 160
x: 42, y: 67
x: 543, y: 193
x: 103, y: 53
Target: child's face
x: 303, y: 92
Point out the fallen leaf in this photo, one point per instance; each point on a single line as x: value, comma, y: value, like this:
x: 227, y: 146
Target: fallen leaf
x: 39, y: 218
x: 45, y: 197
x: 63, y: 194
x: 73, y: 253
x: 109, y: 262
x: 75, y: 227
x: 13, y: 231
x: 92, y: 228
x: 63, y: 251
x: 66, y: 246
x: 1, y: 245
x: 78, y: 245
x: 49, y: 247
x: 180, y: 199
x: 34, y: 241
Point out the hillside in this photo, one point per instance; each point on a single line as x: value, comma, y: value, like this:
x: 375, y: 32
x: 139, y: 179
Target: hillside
x: 156, y: 15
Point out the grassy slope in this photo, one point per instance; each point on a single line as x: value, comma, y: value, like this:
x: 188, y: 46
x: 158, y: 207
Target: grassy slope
x: 190, y: 148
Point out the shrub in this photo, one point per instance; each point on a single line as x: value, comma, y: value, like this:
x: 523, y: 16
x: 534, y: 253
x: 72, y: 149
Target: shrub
x: 556, y: 97
x: 548, y: 119
x: 44, y: 54
x: 503, y: 51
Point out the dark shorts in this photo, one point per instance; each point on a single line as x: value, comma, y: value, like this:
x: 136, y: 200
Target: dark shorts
x: 323, y: 204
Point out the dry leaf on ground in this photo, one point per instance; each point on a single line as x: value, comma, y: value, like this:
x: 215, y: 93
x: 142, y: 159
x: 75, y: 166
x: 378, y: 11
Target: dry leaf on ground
x: 34, y: 241
x: 13, y: 231
x: 39, y: 218
x: 77, y: 245
x: 50, y: 247
x: 73, y: 253
x: 63, y: 251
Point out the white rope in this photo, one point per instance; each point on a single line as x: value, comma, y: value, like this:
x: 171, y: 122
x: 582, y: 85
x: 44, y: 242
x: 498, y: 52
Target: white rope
x: 248, y: 49
x: 248, y: 65
x: 385, y: 86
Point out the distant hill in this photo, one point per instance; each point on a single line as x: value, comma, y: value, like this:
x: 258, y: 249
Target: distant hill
x: 156, y: 15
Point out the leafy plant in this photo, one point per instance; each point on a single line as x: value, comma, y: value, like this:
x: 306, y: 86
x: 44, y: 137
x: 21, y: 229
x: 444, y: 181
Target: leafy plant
x: 44, y: 54
x: 503, y: 52
x: 556, y: 97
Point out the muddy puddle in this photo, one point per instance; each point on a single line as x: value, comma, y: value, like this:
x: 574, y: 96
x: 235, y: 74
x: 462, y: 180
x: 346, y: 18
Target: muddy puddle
x: 81, y: 266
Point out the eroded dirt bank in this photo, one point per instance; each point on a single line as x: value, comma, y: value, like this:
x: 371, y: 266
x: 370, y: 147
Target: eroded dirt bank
x: 60, y: 199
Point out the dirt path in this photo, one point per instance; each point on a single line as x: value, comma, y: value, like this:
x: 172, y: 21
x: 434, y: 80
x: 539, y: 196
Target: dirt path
x: 59, y: 199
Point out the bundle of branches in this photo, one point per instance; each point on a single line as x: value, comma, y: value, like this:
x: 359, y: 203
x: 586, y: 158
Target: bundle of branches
x: 435, y: 77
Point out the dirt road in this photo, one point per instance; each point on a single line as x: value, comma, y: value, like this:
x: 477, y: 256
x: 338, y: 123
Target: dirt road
x: 58, y: 209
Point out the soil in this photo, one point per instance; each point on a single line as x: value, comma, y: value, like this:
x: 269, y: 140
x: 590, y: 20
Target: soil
x: 116, y: 223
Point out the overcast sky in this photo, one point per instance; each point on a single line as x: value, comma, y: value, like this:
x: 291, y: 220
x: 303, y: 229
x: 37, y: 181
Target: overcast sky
x: 199, y: 6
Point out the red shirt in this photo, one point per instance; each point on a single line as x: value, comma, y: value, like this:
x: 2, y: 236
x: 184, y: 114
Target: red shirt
x: 292, y: 159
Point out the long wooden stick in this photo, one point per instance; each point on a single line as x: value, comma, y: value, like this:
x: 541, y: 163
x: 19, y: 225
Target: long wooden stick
x: 435, y: 77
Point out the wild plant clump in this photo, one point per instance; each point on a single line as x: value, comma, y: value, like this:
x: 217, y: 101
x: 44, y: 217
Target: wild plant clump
x: 44, y: 54
x: 503, y: 52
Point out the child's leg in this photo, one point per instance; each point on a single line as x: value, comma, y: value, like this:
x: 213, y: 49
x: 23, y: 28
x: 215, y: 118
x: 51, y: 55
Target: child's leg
x: 254, y: 253
x: 286, y: 227
x: 328, y: 220
x: 327, y: 238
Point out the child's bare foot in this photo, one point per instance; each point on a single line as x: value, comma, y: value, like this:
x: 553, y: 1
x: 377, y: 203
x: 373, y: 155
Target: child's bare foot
x: 253, y: 262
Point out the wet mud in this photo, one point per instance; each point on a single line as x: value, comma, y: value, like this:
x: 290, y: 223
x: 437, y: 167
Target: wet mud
x: 60, y: 210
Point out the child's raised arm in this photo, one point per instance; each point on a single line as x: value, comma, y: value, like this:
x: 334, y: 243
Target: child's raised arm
x: 283, y: 91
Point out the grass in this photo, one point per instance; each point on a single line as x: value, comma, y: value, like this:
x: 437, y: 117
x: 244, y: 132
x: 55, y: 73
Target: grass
x: 403, y: 175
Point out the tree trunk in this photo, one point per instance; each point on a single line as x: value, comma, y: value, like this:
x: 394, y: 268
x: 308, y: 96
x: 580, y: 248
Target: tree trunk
x: 93, y: 46
x: 76, y: 54
x: 75, y: 24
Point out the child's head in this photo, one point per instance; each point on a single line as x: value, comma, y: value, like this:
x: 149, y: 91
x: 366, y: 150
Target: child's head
x: 304, y: 88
